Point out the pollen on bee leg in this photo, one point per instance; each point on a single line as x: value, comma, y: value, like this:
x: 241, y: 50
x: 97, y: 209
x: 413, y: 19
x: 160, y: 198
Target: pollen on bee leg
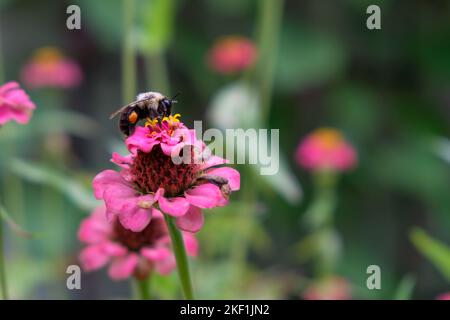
x: 133, y: 117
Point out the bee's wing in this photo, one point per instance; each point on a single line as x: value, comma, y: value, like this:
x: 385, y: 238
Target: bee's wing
x: 114, y: 114
x: 131, y: 104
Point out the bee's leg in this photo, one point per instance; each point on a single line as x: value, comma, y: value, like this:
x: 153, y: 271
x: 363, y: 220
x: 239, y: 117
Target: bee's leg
x: 124, y: 124
x: 221, y: 182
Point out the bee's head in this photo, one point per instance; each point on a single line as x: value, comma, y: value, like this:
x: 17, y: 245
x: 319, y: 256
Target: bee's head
x: 165, y: 105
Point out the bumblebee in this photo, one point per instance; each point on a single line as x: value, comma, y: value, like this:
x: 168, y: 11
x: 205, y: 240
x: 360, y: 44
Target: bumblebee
x: 151, y: 105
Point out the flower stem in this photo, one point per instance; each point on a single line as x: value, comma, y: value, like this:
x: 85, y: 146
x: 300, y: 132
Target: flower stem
x: 128, y: 53
x: 4, y: 288
x: 157, y: 72
x: 270, y: 14
x: 143, y: 288
x: 2, y: 70
x: 181, y: 258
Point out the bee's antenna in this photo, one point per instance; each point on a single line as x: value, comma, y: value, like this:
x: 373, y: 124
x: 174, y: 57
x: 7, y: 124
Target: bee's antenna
x: 174, y: 97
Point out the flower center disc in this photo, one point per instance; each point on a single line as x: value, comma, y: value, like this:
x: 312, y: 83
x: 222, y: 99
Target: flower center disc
x: 155, y: 170
x: 134, y: 241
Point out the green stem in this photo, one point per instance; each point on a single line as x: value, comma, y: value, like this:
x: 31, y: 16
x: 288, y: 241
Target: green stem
x: 270, y: 14
x: 4, y: 288
x: 158, y: 78
x: 247, y: 219
x: 181, y: 258
x: 320, y: 217
x: 2, y: 70
x: 128, y: 53
x: 143, y: 288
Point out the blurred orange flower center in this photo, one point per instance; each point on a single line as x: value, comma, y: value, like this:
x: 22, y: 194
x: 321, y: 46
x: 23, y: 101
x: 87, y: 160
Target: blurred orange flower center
x: 328, y: 139
x: 48, y: 56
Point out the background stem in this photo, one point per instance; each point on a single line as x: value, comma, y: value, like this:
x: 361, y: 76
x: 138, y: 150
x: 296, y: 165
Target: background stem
x: 128, y: 53
x: 270, y: 14
x: 158, y: 79
x: 4, y: 288
x: 143, y: 288
x: 181, y: 258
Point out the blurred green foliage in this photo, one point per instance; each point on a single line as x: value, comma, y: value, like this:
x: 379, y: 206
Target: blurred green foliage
x: 387, y: 90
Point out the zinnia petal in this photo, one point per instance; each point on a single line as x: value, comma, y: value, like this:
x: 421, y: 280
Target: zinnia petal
x: 205, y: 196
x: 232, y: 175
x: 192, y: 221
x: 141, y: 140
x: 95, y: 228
x: 104, y: 179
x: 156, y: 254
x: 177, y: 206
x: 134, y: 218
x: 93, y: 257
x: 123, y: 267
x: 191, y: 244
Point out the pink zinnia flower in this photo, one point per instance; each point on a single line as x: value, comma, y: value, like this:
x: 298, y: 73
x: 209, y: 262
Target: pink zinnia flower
x: 150, y: 181
x: 50, y: 68
x: 330, y: 288
x: 232, y: 54
x: 326, y: 148
x: 128, y: 253
x: 444, y: 296
x: 14, y: 104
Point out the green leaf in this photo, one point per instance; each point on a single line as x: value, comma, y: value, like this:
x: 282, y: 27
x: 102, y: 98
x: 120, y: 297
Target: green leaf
x: 104, y: 20
x: 49, y: 122
x: 157, y: 20
x: 74, y: 191
x: 437, y: 252
x: 441, y: 146
x: 164, y: 286
x: 284, y: 182
x: 12, y: 224
x: 405, y: 288
x: 307, y: 58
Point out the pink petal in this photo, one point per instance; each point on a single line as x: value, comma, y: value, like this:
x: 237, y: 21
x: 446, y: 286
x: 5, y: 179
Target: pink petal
x: 156, y: 214
x: 205, y: 196
x: 119, y: 196
x: 166, y: 266
x: 93, y: 257
x: 122, y: 161
x: 105, y: 179
x: 232, y: 175
x: 123, y: 267
x: 11, y: 85
x: 176, y: 207
x: 156, y: 254
x: 114, y: 249
x: 213, y: 161
x: 141, y: 140
x: 191, y: 244
x: 192, y: 221
x: 95, y: 228
x: 135, y: 218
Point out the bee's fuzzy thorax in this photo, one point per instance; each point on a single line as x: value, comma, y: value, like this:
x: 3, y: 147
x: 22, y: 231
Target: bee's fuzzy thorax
x: 149, y: 95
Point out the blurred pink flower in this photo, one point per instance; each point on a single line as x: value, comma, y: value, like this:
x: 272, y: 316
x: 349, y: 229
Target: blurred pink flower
x: 330, y: 288
x: 48, y: 67
x: 443, y: 296
x: 14, y: 104
x: 150, y: 181
x: 326, y: 148
x: 129, y: 253
x: 232, y: 54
